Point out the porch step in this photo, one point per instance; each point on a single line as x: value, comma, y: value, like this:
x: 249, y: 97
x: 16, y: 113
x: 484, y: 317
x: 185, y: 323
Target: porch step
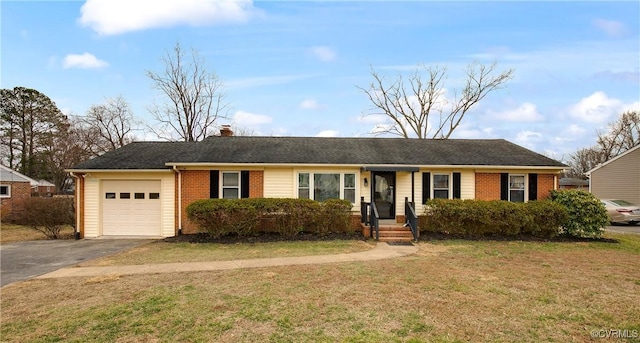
x: 392, y: 233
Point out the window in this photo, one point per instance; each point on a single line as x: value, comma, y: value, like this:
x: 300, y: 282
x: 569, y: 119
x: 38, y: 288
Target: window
x: 303, y: 185
x: 110, y: 195
x: 125, y: 195
x: 154, y: 195
x: 516, y: 188
x: 5, y: 191
x: 327, y: 186
x: 139, y: 196
x: 230, y: 185
x: 441, y: 186
x: 350, y: 188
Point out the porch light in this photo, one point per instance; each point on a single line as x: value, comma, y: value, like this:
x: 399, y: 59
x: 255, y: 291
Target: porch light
x: 366, y: 182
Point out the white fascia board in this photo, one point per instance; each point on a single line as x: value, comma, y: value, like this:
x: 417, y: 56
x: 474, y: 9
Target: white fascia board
x: 87, y: 171
x: 206, y: 164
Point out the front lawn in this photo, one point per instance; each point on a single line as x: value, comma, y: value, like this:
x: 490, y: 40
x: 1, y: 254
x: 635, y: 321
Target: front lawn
x: 450, y: 291
x: 164, y: 252
x: 10, y: 233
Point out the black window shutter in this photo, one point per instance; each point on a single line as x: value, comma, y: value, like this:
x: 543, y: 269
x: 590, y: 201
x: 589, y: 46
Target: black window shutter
x: 456, y: 185
x: 533, y: 187
x: 214, y: 183
x: 244, y: 184
x: 504, y: 186
x: 426, y: 187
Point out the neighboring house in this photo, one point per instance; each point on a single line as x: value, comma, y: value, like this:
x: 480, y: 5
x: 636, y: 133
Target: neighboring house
x: 574, y: 183
x: 14, y: 188
x: 143, y: 188
x: 618, y: 178
x: 45, y: 188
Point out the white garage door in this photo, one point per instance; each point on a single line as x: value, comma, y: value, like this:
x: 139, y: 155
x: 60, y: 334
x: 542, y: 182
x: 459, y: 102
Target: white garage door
x: 131, y: 208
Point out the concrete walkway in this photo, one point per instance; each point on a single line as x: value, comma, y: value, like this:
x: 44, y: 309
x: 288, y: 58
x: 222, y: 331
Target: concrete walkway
x: 380, y: 252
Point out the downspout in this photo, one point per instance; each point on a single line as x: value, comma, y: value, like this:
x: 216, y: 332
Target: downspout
x: 413, y: 188
x: 175, y: 169
x: 76, y: 233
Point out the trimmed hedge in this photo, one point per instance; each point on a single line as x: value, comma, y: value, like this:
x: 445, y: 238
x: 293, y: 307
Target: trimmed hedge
x: 477, y: 218
x: 587, y: 216
x: 288, y: 217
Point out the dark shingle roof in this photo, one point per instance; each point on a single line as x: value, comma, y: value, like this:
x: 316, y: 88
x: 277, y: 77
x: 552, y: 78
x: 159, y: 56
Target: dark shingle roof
x: 316, y: 150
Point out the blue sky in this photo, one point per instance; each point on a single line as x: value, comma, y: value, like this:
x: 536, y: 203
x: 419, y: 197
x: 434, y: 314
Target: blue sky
x: 291, y: 67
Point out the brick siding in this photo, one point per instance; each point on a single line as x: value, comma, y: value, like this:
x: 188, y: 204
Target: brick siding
x: 195, y: 186
x: 487, y: 186
x: 256, y: 184
x: 11, y: 207
x: 545, y: 185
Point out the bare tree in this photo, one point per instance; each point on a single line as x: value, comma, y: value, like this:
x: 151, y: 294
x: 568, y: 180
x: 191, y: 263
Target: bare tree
x: 107, y: 126
x: 418, y: 106
x: 195, y: 99
x: 620, y: 136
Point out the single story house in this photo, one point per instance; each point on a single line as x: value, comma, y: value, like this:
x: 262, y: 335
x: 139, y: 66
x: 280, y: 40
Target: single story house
x: 618, y: 178
x: 567, y: 183
x: 143, y: 188
x: 14, y: 188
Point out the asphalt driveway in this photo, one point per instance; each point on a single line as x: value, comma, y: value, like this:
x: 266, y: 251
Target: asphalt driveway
x: 624, y: 229
x: 25, y: 260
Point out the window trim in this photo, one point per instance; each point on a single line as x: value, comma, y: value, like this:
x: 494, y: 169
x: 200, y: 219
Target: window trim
x: 8, y: 195
x: 223, y: 187
x: 433, y: 185
x: 342, y: 174
x: 523, y: 189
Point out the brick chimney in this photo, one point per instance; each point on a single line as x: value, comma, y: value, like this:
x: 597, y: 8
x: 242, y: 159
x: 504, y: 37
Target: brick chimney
x: 225, y: 131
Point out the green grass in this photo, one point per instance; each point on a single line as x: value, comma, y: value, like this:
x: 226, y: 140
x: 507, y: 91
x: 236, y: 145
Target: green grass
x: 456, y: 291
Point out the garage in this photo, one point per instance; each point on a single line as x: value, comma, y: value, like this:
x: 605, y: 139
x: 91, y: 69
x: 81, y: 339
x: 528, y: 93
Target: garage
x: 131, y: 208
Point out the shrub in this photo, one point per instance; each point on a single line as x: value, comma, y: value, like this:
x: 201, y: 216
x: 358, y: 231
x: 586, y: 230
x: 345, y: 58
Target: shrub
x: 220, y: 217
x: 587, y: 216
x: 477, y: 218
x: 47, y: 215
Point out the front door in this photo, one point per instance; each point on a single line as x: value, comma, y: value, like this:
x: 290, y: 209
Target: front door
x: 384, y: 194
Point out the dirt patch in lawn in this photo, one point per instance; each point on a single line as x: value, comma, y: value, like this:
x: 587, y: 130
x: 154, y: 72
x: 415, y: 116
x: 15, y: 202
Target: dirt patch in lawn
x: 264, y: 237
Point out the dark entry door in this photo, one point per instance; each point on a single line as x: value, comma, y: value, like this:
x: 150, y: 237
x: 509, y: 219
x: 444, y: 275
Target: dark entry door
x: 384, y: 194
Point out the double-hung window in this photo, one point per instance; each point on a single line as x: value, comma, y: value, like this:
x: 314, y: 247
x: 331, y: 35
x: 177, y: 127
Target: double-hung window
x: 5, y: 191
x: 441, y: 186
x: 323, y: 186
x: 230, y: 185
x: 516, y: 188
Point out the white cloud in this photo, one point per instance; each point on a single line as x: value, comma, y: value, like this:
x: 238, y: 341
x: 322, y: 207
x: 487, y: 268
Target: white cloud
x: 528, y: 138
x: 111, y: 17
x: 84, y: 61
x: 323, y: 53
x: 373, y: 118
x: 610, y: 27
x: 243, y: 118
x: 310, y: 104
x: 526, y: 112
x: 328, y: 133
x: 596, y: 108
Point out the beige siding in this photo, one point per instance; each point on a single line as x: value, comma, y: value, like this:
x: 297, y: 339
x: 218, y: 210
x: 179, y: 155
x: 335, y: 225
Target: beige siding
x: 403, y: 189
x: 467, y: 184
x: 619, y: 179
x: 91, y: 207
x: 279, y: 183
x: 93, y: 198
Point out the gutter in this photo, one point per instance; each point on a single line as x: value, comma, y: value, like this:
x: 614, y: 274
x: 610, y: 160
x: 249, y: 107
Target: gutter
x: 76, y: 233
x: 175, y: 169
